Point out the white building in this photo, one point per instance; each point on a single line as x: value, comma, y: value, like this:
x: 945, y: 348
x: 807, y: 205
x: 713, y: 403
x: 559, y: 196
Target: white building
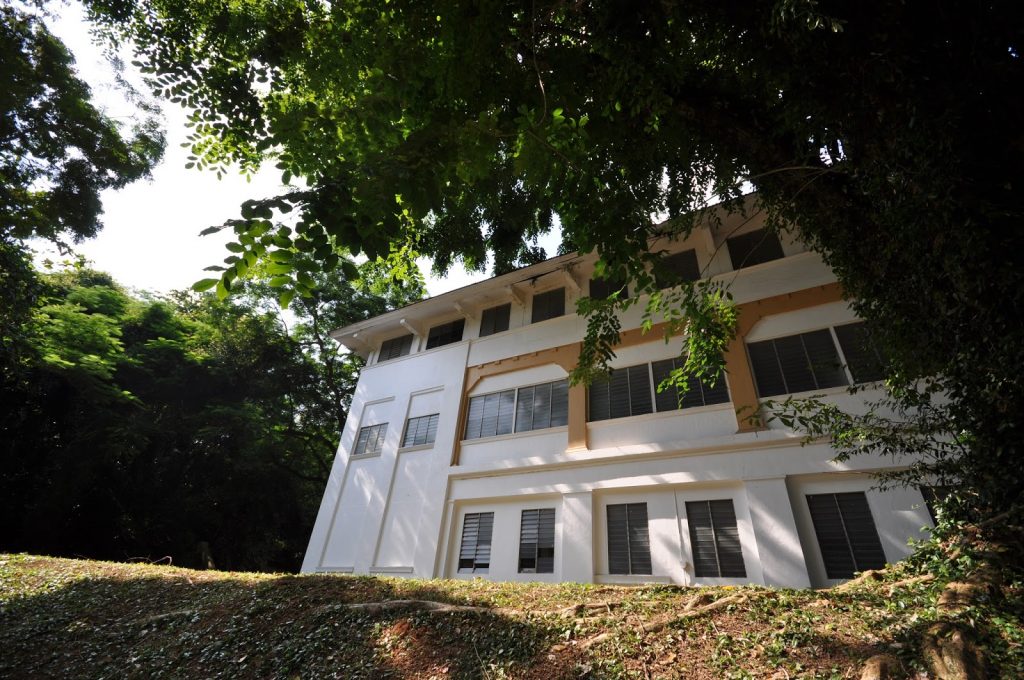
x: 467, y: 454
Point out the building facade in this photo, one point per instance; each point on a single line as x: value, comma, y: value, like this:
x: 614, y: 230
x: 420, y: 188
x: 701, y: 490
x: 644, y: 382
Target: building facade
x: 467, y: 453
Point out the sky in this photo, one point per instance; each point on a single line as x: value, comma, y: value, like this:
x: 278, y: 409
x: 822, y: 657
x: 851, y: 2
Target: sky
x: 150, y: 237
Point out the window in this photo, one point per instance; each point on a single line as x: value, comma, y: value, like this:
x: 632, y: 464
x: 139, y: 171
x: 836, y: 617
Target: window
x: 846, y: 533
x: 421, y: 430
x: 677, y: 268
x: 753, y: 248
x: 862, y: 357
x: 529, y: 408
x: 494, y: 320
x: 715, y: 539
x: 602, y: 289
x: 796, y: 363
x: 475, y: 553
x: 490, y: 414
x: 697, y: 394
x: 934, y: 497
x: 445, y: 334
x: 627, y: 392
x: 629, y: 542
x: 537, y: 541
x: 371, y: 439
x: 542, y: 406
x: 548, y: 305
x: 394, y: 348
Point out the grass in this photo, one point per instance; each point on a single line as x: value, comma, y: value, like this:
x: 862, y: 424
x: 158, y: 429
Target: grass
x: 61, y: 617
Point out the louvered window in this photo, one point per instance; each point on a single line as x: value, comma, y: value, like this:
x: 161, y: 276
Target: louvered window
x: 933, y: 498
x: 697, y: 394
x: 629, y: 543
x: 796, y: 363
x: 421, y: 430
x: 627, y: 392
x: 537, y: 541
x: 715, y: 539
x: 446, y: 333
x: 753, y: 248
x: 490, y: 414
x: 529, y: 408
x: 475, y: 552
x: 542, y: 406
x: 677, y: 268
x: 846, y: 533
x: 548, y: 305
x: 370, y: 439
x: 602, y: 289
x: 495, y: 320
x: 394, y: 348
x: 862, y: 357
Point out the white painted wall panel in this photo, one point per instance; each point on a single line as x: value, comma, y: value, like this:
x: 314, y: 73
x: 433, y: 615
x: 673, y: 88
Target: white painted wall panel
x: 401, y: 528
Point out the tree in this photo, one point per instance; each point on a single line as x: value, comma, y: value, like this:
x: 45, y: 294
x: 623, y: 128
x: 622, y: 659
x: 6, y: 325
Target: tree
x: 887, y: 136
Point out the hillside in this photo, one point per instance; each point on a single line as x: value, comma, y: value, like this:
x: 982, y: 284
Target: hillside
x: 76, y: 618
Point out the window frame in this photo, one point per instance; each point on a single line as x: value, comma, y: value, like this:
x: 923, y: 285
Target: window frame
x: 716, y: 543
x: 848, y: 378
x: 378, y: 431
x: 388, y: 343
x: 507, y: 307
x: 631, y: 571
x: 859, y: 564
x: 484, y: 567
x: 542, y: 515
x: 653, y: 391
x: 432, y: 421
x: 441, y: 339
x: 750, y: 235
x: 516, y: 410
x: 545, y: 296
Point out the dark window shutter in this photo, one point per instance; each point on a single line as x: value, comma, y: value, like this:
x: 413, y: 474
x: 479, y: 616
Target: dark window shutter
x: 495, y: 320
x: 548, y: 305
x: 618, y: 394
x: 446, y: 333
x: 421, y: 430
x: 846, y: 533
x: 394, y: 348
x: 639, y: 390
x: 524, y: 410
x: 541, y: 407
x: 474, y: 418
x: 677, y: 268
x: 475, y: 551
x: 824, y: 360
x: 602, y: 289
x: 537, y: 541
x: 796, y: 368
x: 862, y: 358
x: 765, y: 366
x: 560, y: 403
x: 618, y: 540
x: 698, y: 394
x: 506, y: 411
x: 715, y: 539
x: 597, y: 401
x: 933, y: 497
x: 639, y: 539
x: 667, y: 399
x: 717, y: 394
x: 752, y: 248
x: 489, y: 428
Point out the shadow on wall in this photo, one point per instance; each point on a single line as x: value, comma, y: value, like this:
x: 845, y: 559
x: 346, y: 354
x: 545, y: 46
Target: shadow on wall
x: 193, y: 624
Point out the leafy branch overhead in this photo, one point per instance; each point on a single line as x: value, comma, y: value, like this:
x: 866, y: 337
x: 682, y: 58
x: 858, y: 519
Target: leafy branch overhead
x: 885, y: 136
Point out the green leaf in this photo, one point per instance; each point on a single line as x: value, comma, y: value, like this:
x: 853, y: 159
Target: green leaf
x: 235, y: 247
x: 279, y: 268
x: 279, y: 281
x: 211, y: 230
x: 222, y: 290
x: 285, y: 298
x: 204, y: 284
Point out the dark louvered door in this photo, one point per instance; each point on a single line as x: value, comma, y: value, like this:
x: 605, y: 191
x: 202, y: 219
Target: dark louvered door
x: 639, y: 539
x: 715, y: 539
x: 618, y: 540
x: 597, y: 401
x: 475, y: 551
x: 537, y: 541
x: 639, y: 390
x: 846, y: 533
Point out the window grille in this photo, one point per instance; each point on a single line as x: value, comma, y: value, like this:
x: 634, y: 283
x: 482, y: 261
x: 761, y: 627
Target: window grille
x: 475, y: 551
x: 420, y: 430
x: 394, y: 348
x: 537, y: 541
x: 370, y: 439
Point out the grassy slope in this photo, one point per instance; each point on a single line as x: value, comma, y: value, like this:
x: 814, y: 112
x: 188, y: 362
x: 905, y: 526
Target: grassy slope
x: 77, y: 618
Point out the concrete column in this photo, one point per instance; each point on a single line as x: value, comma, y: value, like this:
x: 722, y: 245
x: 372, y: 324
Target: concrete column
x: 778, y: 542
x: 577, y: 419
x: 576, y: 548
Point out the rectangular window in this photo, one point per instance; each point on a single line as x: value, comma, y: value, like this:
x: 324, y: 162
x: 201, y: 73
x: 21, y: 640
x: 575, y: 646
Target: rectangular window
x: 627, y: 392
x: 445, y: 334
x: 697, y: 394
x: 421, y: 430
x: 537, y: 541
x: 495, y: 320
x: 862, y: 357
x: 754, y: 247
x: 370, y: 439
x: 846, y: 533
x: 602, y: 289
x: 715, y: 539
x: 394, y: 348
x: 548, y: 305
x: 629, y: 543
x: 677, y: 268
x: 490, y: 414
x: 796, y: 363
x: 475, y: 552
x: 542, y: 406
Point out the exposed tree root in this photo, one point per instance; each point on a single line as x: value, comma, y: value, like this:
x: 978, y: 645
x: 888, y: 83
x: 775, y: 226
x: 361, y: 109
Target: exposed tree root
x: 578, y: 609
x: 951, y: 654
x: 425, y: 605
x: 881, y: 667
x: 869, y: 576
x: 910, y: 582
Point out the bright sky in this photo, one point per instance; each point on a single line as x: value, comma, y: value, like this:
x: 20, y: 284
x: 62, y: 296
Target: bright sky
x: 150, y: 238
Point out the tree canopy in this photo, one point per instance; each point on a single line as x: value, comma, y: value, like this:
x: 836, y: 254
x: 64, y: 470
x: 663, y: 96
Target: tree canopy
x: 886, y: 134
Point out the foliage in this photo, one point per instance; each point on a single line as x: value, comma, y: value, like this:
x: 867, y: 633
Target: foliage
x: 142, y: 427
x: 886, y: 136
